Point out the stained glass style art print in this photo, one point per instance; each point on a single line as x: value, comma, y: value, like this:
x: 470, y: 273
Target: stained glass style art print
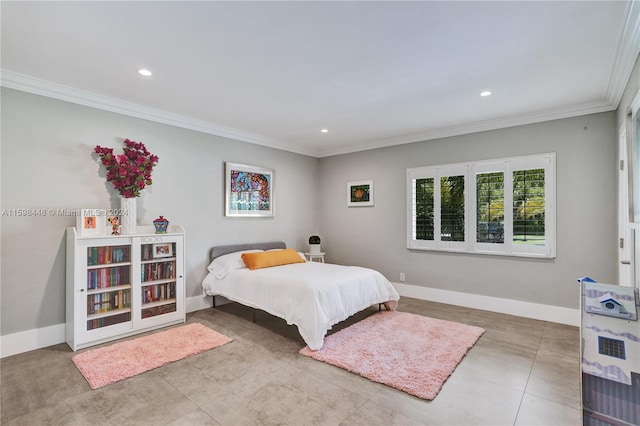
x: 249, y: 191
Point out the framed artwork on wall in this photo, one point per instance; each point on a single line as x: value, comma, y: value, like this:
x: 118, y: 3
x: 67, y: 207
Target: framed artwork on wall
x: 360, y: 193
x: 91, y: 222
x: 248, y: 191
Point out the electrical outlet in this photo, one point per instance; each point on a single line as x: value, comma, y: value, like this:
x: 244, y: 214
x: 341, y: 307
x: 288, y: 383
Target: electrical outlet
x: 401, y: 277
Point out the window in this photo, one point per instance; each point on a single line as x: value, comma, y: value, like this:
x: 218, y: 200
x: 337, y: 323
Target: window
x: 503, y: 206
x: 452, y: 204
x: 423, y: 209
x: 528, y: 206
x: 438, y: 208
x: 490, y: 207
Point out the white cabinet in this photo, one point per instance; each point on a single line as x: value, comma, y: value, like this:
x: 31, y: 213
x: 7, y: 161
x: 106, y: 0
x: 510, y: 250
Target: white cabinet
x: 122, y: 285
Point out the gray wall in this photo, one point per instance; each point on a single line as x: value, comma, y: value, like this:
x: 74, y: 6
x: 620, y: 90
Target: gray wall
x: 46, y: 163
x: 586, y: 212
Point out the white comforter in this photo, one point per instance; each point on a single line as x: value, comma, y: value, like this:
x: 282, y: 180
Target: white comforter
x: 313, y: 296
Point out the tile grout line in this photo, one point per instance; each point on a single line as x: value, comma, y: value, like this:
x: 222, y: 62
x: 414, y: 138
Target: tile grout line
x: 533, y: 363
x: 359, y: 407
x: 198, y: 407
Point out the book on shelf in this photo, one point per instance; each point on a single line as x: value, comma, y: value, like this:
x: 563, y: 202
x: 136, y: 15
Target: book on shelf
x: 158, y: 292
x: 93, y: 324
x: 108, y: 277
x: 158, y: 271
x: 100, y: 303
x: 158, y: 310
x: 108, y: 254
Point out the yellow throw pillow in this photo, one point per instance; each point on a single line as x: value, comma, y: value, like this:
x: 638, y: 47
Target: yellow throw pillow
x: 266, y: 259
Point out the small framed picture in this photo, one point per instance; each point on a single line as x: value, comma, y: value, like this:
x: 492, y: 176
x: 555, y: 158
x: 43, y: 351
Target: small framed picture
x: 360, y: 193
x: 162, y: 250
x: 91, y: 222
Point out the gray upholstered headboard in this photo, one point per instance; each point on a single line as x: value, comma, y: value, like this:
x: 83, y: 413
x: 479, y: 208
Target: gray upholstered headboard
x: 222, y: 250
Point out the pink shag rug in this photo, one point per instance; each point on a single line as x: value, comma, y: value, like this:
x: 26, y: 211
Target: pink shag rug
x: 409, y: 352
x: 110, y: 364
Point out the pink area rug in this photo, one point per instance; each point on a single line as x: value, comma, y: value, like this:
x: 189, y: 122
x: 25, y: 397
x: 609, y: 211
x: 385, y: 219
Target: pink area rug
x: 409, y: 352
x: 113, y: 363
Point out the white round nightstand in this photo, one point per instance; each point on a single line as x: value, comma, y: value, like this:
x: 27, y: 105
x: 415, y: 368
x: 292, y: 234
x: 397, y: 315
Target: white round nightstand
x: 315, y: 257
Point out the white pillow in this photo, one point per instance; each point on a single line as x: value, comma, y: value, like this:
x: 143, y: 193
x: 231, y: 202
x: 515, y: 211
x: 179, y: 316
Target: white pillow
x: 222, y: 265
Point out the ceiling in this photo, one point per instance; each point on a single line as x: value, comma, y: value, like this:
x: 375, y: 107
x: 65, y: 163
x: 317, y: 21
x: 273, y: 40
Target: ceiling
x: 373, y: 74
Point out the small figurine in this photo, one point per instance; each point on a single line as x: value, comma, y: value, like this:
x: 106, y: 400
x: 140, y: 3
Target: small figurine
x: 161, y: 225
x: 115, y: 225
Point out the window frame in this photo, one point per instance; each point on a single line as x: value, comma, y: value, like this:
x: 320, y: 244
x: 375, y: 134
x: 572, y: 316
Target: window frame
x: 437, y: 172
x: 470, y: 171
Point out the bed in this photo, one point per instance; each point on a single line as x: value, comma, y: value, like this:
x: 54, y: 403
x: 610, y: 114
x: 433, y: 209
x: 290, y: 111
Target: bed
x: 313, y: 296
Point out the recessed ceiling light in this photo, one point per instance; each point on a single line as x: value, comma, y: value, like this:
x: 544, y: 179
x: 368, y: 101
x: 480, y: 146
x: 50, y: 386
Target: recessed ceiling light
x: 144, y: 72
x: 324, y: 130
x: 485, y: 93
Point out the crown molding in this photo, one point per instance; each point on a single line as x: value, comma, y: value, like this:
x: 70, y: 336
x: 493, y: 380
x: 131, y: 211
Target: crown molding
x: 37, y: 86
x: 626, y: 54
x: 481, y: 126
x: 624, y: 60
x: 25, y: 83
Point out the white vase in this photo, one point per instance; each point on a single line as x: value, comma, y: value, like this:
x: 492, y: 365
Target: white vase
x: 128, y: 212
x: 314, y: 248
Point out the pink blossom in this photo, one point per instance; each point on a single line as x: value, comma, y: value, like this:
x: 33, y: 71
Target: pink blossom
x: 129, y: 172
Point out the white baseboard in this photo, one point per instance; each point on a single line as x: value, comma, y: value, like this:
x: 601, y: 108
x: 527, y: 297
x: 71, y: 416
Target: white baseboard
x: 25, y: 341
x: 30, y: 340
x: 494, y: 304
x: 198, y: 303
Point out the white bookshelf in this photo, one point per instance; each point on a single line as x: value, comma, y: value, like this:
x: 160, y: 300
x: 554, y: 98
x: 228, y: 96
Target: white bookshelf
x: 118, y: 286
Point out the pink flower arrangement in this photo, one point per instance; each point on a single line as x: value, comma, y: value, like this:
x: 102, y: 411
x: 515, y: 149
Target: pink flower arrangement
x: 130, y: 172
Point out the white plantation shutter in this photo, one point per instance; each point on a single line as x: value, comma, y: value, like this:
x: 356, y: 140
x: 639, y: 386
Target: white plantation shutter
x: 504, y: 206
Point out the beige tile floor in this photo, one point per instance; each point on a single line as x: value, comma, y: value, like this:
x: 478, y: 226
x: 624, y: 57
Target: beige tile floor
x: 521, y: 372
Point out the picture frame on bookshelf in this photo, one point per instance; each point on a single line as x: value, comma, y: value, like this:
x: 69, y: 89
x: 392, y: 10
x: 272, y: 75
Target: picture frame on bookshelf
x: 91, y: 222
x: 162, y: 250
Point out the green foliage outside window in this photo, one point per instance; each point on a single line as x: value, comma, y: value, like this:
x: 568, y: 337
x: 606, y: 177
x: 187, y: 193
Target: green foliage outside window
x: 424, y: 209
x: 490, y: 207
x: 528, y: 206
x: 452, y: 208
